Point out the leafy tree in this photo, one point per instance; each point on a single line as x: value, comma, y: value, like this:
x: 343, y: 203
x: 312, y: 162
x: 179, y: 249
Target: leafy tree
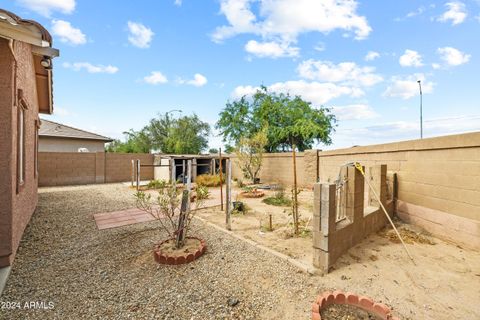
x: 249, y: 154
x: 291, y: 121
x: 213, y: 151
x: 186, y: 134
x: 136, y: 142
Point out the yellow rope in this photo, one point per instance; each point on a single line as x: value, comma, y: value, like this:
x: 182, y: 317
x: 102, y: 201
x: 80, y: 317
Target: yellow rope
x: 359, y: 167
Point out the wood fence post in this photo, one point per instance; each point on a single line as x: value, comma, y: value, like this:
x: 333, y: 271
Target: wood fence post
x: 228, y: 206
x: 138, y: 175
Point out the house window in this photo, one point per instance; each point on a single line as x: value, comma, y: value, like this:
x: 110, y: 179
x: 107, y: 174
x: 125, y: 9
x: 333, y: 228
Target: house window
x: 21, y: 146
x: 37, y: 126
x: 22, y: 107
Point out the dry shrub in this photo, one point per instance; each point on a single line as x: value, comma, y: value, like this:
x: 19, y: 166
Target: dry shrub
x: 209, y: 180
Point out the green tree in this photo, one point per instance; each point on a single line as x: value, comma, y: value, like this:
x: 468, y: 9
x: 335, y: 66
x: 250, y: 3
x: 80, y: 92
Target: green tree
x: 187, y: 134
x: 135, y: 142
x: 290, y: 120
x: 166, y: 134
x: 291, y: 123
x: 213, y: 151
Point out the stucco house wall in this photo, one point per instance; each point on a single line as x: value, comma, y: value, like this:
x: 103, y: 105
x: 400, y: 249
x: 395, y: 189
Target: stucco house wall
x: 17, y: 206
x: 50, y: 144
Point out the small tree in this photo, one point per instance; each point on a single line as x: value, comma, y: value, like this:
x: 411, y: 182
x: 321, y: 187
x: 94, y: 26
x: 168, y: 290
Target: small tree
x: 171, y: 210
x: 250, y: 154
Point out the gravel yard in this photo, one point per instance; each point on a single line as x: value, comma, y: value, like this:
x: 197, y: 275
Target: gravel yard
x: 110, y: 274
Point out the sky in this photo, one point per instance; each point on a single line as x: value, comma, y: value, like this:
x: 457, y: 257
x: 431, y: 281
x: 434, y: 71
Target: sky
x: 123, y: 62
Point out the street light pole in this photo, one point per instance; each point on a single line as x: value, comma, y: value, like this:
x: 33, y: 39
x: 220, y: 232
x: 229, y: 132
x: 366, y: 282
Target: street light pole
x: 421, y: 108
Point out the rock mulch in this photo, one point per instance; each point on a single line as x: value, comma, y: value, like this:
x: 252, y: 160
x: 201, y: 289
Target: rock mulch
x: 111, y: 274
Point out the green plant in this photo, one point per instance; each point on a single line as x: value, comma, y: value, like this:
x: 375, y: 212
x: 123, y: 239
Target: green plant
x: 278, y: 199
x: 249, y: 154
x: 209, y: 180
x: 202, y: 193
x: 157, y: 184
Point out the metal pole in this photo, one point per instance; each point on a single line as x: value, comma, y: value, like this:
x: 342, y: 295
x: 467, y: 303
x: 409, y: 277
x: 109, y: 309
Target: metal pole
x: 221, y: 177
x: 421, y: 109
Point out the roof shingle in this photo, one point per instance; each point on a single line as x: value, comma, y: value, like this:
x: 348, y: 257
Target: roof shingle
x: 58, y: 130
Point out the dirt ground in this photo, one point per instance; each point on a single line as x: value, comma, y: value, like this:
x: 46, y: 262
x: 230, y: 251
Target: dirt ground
x: 444, y: 282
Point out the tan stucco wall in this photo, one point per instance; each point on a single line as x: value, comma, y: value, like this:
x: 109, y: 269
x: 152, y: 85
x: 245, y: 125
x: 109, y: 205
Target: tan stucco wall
x: 47, y: 144
x: 438, y: 179
x: 6, y: 140
x: 70, y: 168
x: 16, y: 208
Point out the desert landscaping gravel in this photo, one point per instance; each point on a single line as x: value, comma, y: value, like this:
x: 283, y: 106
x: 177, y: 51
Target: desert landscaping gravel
x: 86, y: 273
x: 111, y: 274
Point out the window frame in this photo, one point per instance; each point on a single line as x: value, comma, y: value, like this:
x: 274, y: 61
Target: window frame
x: 22, y: 107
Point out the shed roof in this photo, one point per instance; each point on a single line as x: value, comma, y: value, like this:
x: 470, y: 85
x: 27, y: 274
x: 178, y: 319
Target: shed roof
x: 58, y: 130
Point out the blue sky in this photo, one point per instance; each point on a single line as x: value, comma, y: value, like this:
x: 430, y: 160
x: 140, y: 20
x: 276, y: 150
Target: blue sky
x: 123, y: 62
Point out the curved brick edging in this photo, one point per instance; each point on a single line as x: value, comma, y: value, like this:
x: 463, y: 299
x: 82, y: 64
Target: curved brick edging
x: 362, y: 302
x: 163, y: 258
x: 250, y: 195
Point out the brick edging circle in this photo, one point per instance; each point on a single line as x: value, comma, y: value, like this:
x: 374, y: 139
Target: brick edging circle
x: 362, y: 302
x: 249, y: 195
x: 164, y: 258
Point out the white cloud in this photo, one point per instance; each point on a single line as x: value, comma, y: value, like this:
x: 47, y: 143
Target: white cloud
x: 178, y: 3
x: 407, y: 87
x: 417, y: 12
x: 320, y: 47
x: 67, y: 33
x: 452, y: 56
x: 198, y: 80
x: 283, y: 20
x: 271, y: 49
x: 345, y: 72
x: 139, y: 35
x: 156, y: 77
x: 354, y: 112
x: 372, y: 55
x: 315, y: 92
x: 410, y: 58
x: 456, y: 13
x: 90, y: 68
x: 46, y: 7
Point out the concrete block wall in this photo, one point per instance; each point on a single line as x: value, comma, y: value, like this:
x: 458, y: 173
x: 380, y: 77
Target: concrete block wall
x: 332, y: 238
x: 72, y: 168
x: 118, y: 166
x: 438, y: 179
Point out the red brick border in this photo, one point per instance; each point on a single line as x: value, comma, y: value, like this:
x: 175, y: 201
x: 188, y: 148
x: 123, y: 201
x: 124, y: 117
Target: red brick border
x: 251, y: 195
x: 339, y: 297
x: 163, y: 258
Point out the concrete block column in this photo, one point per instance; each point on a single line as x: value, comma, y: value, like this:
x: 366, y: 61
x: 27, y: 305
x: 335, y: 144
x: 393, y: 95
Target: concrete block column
x: 324, y: 219
x: 377, y: 176
x: 355, y: 189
